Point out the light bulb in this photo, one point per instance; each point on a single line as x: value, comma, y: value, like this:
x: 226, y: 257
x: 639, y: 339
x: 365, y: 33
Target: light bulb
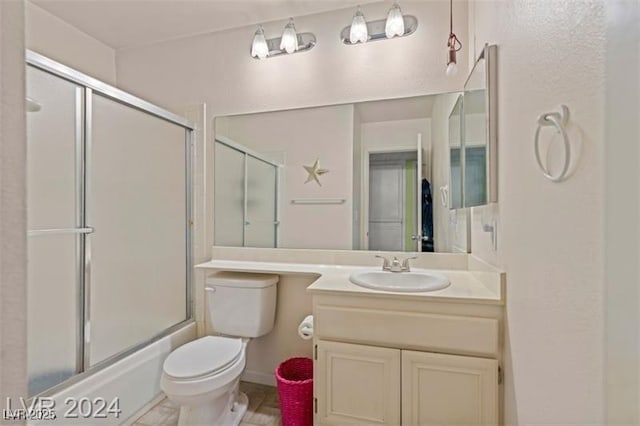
x: 259, y: 48
x: 289, y: 41
x: 395, y: 22
x: 452, y: 69
x: 359, y: 32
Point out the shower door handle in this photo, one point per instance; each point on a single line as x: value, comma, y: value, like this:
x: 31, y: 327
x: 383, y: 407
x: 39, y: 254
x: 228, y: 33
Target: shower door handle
x: 87, y: 230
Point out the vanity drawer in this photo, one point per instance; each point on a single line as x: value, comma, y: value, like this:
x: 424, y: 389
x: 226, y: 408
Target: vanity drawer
x: 409, y: 330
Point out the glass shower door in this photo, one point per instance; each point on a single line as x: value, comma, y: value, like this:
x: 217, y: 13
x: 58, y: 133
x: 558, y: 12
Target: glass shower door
x: 55, y: 223
x: 137, y: 197
x: 229, y: 187
x: 109, y: 224
x: 261, y: 224
x: 246, y: 198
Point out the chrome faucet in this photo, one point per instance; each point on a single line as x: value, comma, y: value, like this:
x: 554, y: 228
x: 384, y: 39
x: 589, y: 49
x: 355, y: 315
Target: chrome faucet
x: 395, y: 265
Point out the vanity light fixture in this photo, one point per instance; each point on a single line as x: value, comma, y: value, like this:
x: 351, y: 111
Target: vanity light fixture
x: 395, y: 25
x: 453, y: 45
x: 358, y: 31
x: 259, y: 48
x: 290, y: 42
x: 395, y: 22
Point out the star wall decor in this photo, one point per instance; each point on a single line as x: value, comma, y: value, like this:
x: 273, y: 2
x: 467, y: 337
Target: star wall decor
x: 315, y: 172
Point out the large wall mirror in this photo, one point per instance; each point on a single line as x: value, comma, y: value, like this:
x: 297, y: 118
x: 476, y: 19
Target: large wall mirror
x: 388, y: 175
x: 392, y: 175
x: 362, y: 176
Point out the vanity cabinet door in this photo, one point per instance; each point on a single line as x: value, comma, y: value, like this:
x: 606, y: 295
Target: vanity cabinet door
x: 440, y: 389
x: 356, y: 384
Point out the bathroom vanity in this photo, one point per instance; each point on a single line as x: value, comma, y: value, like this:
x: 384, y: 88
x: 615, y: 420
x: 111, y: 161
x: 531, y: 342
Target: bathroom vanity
x: 393, y: 358
x: 405, y: 359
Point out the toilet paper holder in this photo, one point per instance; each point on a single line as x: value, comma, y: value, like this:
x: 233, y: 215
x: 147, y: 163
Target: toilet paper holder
x: 305, y: 329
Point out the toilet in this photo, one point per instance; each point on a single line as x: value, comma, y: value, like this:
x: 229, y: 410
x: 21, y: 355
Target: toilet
x: 203, y: 376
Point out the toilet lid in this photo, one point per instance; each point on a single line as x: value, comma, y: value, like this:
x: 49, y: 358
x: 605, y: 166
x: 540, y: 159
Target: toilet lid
x: 202, y: 357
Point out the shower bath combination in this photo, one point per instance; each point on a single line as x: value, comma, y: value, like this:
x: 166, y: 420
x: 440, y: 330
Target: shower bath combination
x: 98, y: 252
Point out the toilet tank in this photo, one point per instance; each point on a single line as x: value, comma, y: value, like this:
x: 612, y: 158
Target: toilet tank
x: 241, y: 304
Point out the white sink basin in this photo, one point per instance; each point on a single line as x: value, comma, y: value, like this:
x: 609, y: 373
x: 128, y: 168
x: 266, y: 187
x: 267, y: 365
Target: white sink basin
x: 416, y: 281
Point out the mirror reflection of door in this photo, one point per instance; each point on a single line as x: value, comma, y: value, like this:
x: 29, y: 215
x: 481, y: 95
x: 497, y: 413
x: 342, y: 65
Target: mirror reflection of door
x: 392, y: 201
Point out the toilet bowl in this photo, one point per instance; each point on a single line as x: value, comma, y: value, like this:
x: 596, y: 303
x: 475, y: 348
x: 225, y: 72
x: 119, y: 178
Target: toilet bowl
x: 203, y: 376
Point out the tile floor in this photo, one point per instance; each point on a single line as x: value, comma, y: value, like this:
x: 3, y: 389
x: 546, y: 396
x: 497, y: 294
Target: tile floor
x: 263, y: 409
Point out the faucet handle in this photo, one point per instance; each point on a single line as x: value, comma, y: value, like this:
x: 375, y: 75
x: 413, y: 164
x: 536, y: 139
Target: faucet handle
x: 385, y: 262
x: 405, y: 263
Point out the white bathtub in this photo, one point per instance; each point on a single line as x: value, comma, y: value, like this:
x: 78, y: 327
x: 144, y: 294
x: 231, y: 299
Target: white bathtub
x: 134, y: 380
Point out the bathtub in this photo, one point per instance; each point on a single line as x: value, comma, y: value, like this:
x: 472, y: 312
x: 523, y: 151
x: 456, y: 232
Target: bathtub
x: 134, y: 381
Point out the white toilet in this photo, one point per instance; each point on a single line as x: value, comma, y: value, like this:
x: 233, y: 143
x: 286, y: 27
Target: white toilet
x: 202, y: 376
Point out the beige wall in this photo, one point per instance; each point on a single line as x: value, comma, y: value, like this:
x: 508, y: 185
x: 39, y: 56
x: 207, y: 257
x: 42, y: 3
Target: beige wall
x: 396, y: 134
x: 550, y: 235
x: 300, y: 137
x: 13, y: 264
x: 58, y: 40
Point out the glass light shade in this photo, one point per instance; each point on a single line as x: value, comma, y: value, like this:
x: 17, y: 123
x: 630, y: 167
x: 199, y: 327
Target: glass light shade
x: 359, y: 31
x: 452, y: 69
x: 395, y: 22
x: 289, y: 41
x: 259, y: 48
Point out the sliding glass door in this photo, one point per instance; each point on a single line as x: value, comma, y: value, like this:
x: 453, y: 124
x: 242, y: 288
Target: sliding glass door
x: 228, y: 208
x: 137, y: 197
x: 261, y: 223
x: 245, y: 197
x: 109, y: 223
x: 54, y: 218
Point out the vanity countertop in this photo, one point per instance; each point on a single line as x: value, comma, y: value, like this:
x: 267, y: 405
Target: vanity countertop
x: 467, y: 286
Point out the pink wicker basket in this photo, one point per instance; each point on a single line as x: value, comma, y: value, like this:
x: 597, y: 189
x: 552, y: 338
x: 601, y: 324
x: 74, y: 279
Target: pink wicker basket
x: 295, y: 391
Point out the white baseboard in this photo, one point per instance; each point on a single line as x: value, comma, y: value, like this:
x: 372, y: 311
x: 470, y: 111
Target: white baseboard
x: 268, y: 379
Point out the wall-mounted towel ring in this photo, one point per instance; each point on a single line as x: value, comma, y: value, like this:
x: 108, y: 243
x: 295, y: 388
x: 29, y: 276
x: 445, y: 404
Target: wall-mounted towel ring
x: 559, y: 121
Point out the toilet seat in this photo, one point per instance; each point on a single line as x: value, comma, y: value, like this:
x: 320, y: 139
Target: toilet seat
x: 203, y: 357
